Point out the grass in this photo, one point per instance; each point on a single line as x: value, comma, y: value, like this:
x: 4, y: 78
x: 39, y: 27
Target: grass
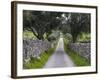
x: 28, y: 35
x: 39, y: 63
x: 84, y: 37
x: 77, y: 59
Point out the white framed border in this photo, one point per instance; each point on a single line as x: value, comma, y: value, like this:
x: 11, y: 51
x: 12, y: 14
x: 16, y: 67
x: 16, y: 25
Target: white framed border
x: 50, y: 71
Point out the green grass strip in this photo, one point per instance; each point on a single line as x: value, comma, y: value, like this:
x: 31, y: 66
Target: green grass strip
x: 39, y: 63
x: 77, y: 59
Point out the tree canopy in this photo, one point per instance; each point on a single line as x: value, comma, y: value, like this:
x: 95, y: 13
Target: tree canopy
x: 41, y: 22
x: 79, y: 22
x: 44, y: 22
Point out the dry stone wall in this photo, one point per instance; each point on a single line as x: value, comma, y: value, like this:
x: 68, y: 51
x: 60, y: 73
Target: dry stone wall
x: 34, y: 48
x: 82, y: 49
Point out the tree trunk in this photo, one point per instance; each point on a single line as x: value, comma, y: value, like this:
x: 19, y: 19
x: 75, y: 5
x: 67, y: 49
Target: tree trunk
x: 74, y: 35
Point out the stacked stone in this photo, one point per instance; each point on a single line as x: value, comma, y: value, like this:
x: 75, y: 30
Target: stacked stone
x: 34, y: 48
x: 82, y: 49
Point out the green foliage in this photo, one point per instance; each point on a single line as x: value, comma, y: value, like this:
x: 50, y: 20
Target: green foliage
x: 84, y: 37
x: 28, y: 35
x: 79, y: 22
x: 40, y: 22
x: 77, y: 59
x: 68, y: 37
x: 54, y: 36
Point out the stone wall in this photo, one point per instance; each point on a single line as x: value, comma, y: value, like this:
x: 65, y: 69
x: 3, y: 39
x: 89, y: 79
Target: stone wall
x: 33, y: 48
x: 82, y: 49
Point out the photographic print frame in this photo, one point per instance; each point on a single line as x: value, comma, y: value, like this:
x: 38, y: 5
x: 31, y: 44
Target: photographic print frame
x: 17, y: 9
